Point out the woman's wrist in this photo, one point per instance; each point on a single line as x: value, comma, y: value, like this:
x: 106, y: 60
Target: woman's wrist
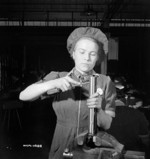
x: 49, y: 85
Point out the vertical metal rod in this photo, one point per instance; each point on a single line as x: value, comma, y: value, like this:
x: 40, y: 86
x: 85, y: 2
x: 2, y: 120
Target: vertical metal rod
x: 92, y: 91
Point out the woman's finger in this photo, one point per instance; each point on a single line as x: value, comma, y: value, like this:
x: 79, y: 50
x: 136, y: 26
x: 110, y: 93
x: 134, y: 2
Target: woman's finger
x: 72, y: 81
x: 66, y: 82
x: 92, y: 103
x: 94, y: 95
x: 92, y: 106
x: 92, y: 99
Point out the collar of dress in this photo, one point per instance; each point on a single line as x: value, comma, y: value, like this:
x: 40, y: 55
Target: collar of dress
x: 82, y: 77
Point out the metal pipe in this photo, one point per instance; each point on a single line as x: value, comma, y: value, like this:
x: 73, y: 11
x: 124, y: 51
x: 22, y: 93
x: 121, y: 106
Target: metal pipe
x: 91, y: 117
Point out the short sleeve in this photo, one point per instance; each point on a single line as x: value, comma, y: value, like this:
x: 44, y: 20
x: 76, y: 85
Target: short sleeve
x: 110, y: 96
x: 51, y: 76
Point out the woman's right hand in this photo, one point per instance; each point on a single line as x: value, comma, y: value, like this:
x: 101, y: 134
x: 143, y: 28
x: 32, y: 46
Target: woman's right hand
x: 65, y: 83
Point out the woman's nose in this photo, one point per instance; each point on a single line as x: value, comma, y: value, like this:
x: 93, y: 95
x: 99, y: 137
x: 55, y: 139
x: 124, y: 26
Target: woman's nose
x: 87, y: 57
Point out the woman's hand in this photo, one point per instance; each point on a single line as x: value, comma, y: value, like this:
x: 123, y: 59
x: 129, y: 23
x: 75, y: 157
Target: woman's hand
x: 94, y: 101
x: 65, y: 83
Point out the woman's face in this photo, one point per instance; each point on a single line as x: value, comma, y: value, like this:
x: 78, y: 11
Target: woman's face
x: 85, y: 55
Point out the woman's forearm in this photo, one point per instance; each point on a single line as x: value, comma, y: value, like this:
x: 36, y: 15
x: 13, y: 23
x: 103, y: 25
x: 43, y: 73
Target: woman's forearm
x: 103, y: 119
x: 35, y: 90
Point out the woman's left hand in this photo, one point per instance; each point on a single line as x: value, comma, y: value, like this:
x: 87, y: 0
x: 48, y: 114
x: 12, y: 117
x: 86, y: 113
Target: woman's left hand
x: 94, y: 101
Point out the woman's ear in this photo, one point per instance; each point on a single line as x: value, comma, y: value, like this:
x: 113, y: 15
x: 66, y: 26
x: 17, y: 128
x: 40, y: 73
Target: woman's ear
x: 73, y: 55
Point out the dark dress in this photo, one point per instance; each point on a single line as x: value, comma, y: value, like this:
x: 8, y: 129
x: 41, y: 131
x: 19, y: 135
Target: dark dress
x: 72, y: 112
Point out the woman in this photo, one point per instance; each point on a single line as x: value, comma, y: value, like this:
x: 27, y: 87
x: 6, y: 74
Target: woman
x: 72, y: 102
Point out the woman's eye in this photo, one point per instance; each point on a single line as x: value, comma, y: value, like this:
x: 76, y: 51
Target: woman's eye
x: 93, y: 53
x: 81, y: 52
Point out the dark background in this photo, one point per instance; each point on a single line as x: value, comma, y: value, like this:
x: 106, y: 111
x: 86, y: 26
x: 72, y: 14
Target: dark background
x: 45, y: 47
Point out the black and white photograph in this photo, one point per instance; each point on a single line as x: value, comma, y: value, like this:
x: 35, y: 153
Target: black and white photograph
x: 74, y: 79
